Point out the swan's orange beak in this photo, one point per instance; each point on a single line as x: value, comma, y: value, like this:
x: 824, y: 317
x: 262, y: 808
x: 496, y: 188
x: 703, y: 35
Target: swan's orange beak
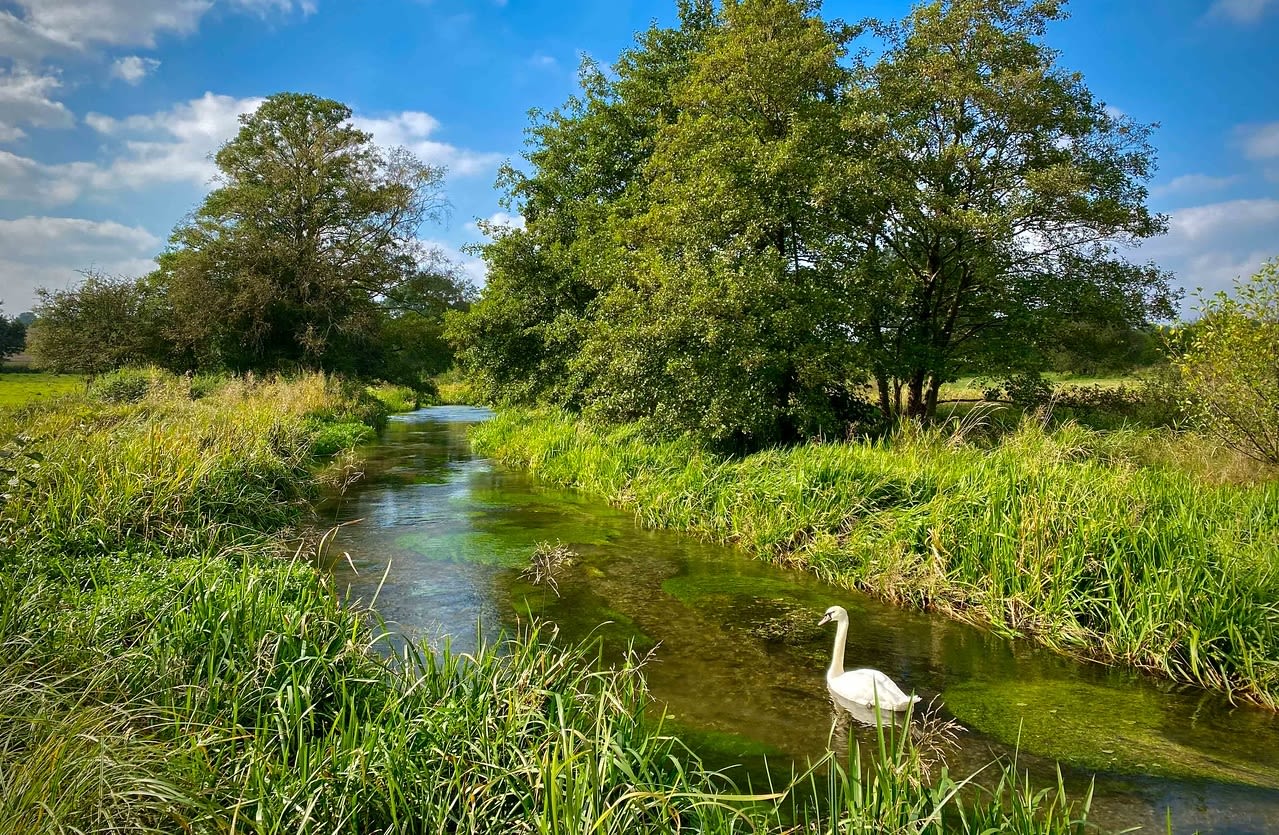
x: 825, y: 619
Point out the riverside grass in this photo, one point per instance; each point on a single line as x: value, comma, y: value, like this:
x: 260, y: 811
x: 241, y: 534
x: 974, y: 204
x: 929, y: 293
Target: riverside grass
x: 169, y: 663
x: 1097, y: 544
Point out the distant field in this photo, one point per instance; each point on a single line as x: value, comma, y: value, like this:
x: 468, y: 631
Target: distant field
x: 22, y: 388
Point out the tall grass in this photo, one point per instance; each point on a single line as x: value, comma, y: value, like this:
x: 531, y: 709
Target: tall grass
x: 167, y: 663
x: 1088, y: 542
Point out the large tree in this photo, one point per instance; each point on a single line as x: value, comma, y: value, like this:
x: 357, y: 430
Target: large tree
x: 994, y: 195
x: 584, y: 181
x: 306, y: 247
x: 724, y: 323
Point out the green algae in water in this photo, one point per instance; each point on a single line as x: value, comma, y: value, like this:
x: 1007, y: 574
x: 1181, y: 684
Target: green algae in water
x: 1094, y: 727
x: 476, y: 547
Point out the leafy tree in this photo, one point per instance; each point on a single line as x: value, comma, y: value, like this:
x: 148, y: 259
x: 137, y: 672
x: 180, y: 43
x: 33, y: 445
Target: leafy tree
x: 725, y: 323
x: 104, y: 323
x: 994, y: 192
x: 1230, y: 365
x: 585, y: 181
x: 307, y: 246
x: 13, y: 336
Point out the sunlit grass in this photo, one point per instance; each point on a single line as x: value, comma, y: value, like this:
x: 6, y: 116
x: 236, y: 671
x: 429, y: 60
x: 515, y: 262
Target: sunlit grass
x: 20, y: 389
x: 168, y: 663
x: 1100, y: 544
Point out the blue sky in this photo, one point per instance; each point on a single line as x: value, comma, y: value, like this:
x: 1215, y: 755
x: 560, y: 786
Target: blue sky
x: 110, y: 108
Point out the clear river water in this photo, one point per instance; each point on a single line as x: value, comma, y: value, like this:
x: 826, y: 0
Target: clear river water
x: 738, y: 659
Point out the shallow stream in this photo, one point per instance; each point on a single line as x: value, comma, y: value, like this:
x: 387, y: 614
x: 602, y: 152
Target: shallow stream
x: 738, y: 659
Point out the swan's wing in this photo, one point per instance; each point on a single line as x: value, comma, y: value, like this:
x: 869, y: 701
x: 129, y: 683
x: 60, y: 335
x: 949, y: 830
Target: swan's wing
x: 882, y: 689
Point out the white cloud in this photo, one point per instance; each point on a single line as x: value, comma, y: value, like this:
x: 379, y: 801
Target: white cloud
x: 25, y: 100
x: 1260, y: 141
x: 1194, y: 184
x: 173, y: 145
x: 542, y: 61
x: 36, y: 28
x: 133, y: 68
x: 413, y: 129
x: 1210, y: 245
x: 473, y: 269
x: 176, y: 146
x: 499, y: 220
x: 48, y: 251
x: 1240, y: 11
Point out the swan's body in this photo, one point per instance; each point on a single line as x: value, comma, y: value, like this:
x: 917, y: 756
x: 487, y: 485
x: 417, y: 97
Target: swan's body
x: 865, y: 687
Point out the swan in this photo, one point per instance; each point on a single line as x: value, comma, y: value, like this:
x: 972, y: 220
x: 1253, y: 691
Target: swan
x: 866, y: 687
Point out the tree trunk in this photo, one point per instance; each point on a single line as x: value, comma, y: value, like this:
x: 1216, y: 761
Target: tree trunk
x: 915, y: 405
x: 930, y: 399
x: 885, y: 401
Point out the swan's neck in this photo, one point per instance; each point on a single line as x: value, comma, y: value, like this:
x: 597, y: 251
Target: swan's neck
x: 837, y: 655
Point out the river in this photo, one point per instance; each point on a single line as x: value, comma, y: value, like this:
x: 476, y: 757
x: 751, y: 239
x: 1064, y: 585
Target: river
x: 737, y: 657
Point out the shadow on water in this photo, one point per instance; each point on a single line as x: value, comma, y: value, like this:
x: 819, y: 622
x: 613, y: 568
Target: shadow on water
x: 738, y: 660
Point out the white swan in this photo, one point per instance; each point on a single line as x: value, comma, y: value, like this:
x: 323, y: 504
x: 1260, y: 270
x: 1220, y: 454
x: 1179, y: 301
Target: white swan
x: 866, y: 687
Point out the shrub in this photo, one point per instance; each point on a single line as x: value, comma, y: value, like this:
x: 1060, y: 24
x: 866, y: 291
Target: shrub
x: 128, y: 385
x: 1230, y: 366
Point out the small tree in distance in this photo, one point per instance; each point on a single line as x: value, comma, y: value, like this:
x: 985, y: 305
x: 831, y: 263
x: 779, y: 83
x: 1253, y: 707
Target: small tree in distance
x: 99, y: 326
x: 1231, y: 365
x: 13, y: 336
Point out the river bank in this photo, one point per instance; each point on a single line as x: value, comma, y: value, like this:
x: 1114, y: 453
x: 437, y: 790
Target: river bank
x: 1091, y: 543
x: 170, y: 659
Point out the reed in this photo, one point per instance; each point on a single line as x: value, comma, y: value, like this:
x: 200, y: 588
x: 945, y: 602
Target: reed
x: 168, y: 661
x: 1100, y: 544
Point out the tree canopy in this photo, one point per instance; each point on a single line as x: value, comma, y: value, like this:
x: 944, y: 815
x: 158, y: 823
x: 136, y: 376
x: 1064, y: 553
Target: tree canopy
x: 306, y: 255
x: 750, y: 226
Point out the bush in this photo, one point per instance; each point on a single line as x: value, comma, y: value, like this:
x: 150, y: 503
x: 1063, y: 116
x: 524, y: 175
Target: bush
x: 128, y: 385
x: 1230, y: 366
x: 1153, y: 401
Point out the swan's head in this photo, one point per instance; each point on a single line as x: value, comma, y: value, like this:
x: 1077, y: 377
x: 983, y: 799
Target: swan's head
x: 834, y: 613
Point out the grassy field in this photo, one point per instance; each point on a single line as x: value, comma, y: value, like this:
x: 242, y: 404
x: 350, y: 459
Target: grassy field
x: 1110, y: 545
x: 170, y: 660
x: 21, y: 388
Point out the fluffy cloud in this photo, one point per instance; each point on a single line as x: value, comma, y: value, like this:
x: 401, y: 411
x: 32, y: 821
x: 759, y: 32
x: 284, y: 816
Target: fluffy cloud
x: 132, y: 68
x: 1209, y: 246
x: 413, y: 129
x: 1193, y: 184
x: 47, y: 251
x: 499, y: 221
x: 1260, y: 141
x: 25, y: 100
x: 37, y: 28
x: 173, y: 145
x: 1241, y: 11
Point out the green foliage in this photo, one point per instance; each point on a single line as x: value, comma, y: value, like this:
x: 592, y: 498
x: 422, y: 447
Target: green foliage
x: 13, y: 336
x: 395, y: 398
x: 1091, y: 543
x: 332, y: 438
x: 103, y: 324
x: 744, y: 225
x: 1230, y: 365
x: 992, y: 194
x: 127, y: 385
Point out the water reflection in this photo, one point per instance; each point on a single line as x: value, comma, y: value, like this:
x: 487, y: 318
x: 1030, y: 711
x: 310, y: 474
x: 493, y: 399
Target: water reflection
x: 739, y: 663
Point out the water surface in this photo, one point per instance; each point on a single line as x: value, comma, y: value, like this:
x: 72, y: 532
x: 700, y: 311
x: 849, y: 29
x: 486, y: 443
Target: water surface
x: 737, y: 658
